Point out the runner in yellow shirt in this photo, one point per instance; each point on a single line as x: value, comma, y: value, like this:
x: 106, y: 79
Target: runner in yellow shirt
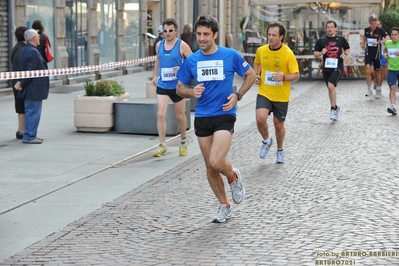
x: 276, y: 67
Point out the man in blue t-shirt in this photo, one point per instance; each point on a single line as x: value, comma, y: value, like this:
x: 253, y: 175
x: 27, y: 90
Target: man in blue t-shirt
x: 213, y: 68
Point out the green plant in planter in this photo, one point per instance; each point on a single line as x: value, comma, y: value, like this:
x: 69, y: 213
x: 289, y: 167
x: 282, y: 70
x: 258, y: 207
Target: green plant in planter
x: 89, y: 87
x: 104, y: 88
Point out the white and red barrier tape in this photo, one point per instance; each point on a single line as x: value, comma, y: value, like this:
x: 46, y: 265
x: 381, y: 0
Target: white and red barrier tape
x: 84, y: 69
x: 73, y: 70
x: 297, y: 56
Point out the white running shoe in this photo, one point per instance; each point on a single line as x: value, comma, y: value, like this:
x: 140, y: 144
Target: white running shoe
x: 222, y: 215
x: 237, y: 188
x: 334, y: 114
x: 392, y: 110
x: 377, y: 93
x: 280, y: 157
x: 369, y: 92
x: 264, y: 150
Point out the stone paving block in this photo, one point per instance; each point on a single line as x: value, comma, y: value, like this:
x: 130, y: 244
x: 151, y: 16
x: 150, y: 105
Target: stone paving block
x: 338, y: 191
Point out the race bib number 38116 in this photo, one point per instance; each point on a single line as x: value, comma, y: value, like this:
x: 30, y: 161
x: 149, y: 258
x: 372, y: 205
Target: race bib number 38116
x: 210, y: 70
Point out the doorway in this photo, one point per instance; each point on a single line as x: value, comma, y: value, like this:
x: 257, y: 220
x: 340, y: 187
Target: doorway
x: 76, y: 33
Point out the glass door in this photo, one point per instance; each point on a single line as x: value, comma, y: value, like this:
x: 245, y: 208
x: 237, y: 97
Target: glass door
x: 76, y: 33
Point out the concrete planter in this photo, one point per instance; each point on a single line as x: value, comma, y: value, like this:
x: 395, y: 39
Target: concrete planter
x: 130, y: 114
x: 95, y: 114
x: 150, y: 90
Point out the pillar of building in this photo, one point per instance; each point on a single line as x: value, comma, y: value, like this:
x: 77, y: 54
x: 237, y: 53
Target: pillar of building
x: 120, y: 33
x: 238, y: 10
x: 143, y: 28
x: 20, y: 13
x: 169, y: 8
x: 229, y: 23
x: 92, y: 46
x: 183, y: 13
x: 210, y: 7
x: 204, y: 7
x: 59, y: 49
x: 178, y: 11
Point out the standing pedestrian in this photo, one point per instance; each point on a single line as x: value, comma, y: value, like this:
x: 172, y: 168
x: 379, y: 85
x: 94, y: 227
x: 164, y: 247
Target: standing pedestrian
x: 213, y: 67
x: 391, y: 52
x: 187, y: 35
x: 38, y: 26
x: 372, y: 40
x: 19, y: 103
x: 334, y: 49
x: 32, y: 90
x: 158, y: 39
x: 276, y: 67
x: 171, y: 52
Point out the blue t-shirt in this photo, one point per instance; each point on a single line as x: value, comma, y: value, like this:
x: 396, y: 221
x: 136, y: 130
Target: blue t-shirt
x: 216, y: 71
x: 168, y: 59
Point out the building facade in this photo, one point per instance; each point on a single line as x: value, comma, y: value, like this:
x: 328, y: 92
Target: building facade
x: 95, y: 32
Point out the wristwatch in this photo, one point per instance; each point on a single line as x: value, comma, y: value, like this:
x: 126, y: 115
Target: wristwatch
x: 239, y: 96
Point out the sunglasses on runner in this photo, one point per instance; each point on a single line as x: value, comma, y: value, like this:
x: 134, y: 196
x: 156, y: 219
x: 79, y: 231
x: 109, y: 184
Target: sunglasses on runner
x: 170, y: 30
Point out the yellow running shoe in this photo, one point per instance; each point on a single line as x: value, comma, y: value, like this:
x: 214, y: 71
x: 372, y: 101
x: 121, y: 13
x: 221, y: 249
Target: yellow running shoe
x: 183, y: 149
x: 161, y: 151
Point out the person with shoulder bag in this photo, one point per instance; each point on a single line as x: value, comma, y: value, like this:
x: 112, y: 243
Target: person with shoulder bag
x: 44, y: 47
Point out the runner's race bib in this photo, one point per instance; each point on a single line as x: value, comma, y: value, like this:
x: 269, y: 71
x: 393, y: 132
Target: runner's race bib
x: 167, y: 74
x: 331, y: 63
x: 210, y: 70
x: 269, y: 79
x: 370, y: 41
x: 392, y: 53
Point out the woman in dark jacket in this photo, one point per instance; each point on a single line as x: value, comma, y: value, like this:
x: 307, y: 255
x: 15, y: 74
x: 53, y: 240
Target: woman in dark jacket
x: 19, y: 103
x: 187, y: 35
x: 38, y: 26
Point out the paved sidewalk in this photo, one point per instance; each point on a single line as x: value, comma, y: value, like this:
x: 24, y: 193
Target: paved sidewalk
x: 71, y: 174
x: 337, y: 193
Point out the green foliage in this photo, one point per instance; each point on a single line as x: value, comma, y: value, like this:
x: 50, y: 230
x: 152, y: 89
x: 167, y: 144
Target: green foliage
x: 104, y: 88
x: 89, y: 87
x: 390, y: 18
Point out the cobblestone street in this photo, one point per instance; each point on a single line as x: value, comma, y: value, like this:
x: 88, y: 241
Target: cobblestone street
x: 337, y: 195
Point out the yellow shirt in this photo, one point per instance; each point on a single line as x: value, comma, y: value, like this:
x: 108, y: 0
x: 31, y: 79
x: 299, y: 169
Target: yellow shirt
x: 282, y: 60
